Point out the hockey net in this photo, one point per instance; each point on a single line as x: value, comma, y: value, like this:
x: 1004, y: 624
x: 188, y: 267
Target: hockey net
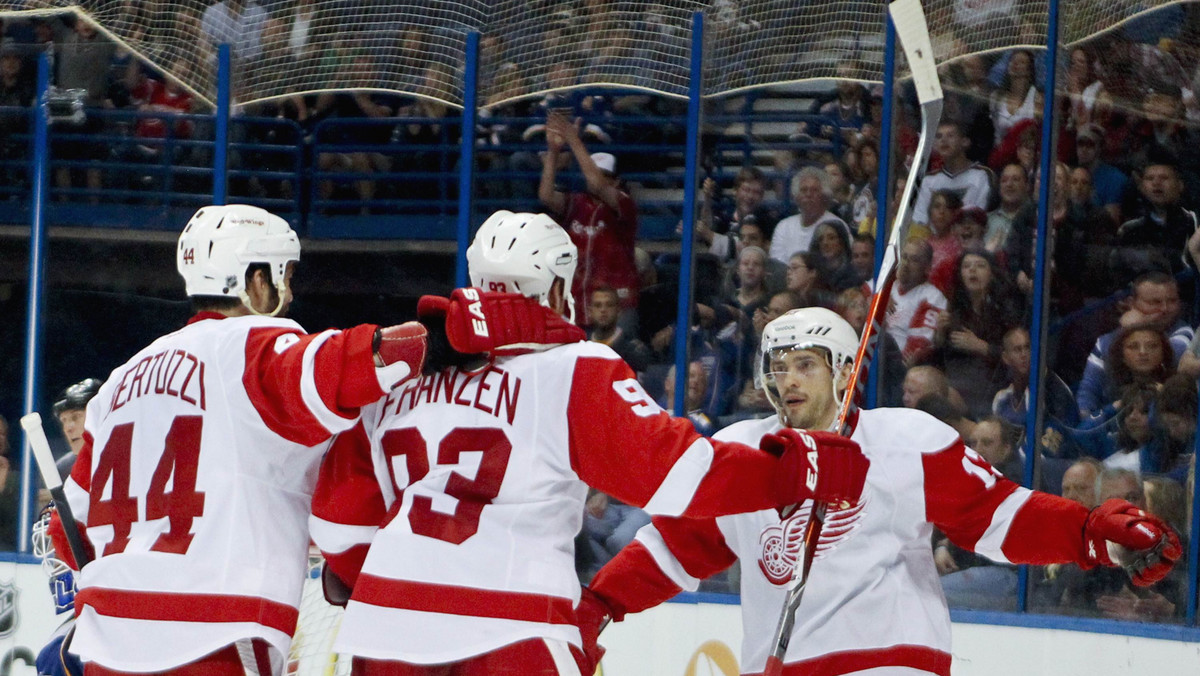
x: 312, y: 647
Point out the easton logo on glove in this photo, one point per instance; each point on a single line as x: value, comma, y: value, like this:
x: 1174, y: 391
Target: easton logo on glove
x: 475, y: 307
x: 843, y: 467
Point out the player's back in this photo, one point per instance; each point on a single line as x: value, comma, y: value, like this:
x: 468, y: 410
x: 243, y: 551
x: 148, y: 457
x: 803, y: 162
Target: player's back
x: 478, y: 552
x: 196, y: 506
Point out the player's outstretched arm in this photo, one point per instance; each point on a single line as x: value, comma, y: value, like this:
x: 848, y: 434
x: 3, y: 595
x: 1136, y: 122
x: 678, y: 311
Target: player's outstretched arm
x: 981, y: 511
x: 625, y: 445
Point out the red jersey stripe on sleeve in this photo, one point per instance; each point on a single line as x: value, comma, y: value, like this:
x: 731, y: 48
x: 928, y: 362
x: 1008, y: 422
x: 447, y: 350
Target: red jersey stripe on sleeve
x: 624, y: 444
x: 962, y: 493
x: 304, y: 396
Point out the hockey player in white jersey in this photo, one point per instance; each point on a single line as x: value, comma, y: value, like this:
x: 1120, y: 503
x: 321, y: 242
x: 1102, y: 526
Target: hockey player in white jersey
x: 872, y: 602
x: 451, y: 511
x: 200, y: 456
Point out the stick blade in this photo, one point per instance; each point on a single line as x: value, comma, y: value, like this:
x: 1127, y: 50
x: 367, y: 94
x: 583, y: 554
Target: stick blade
x: 909, y: 19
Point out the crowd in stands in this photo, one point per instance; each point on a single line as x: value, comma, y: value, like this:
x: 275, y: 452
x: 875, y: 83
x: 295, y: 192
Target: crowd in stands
x: 1122, y: 359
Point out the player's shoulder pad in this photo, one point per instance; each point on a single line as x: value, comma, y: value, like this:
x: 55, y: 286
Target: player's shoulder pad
x: 749, y: 432
x: 903, y: 430
x: 576, y: 350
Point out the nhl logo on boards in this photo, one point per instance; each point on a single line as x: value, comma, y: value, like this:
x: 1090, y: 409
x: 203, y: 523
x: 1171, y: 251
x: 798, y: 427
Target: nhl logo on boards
x: 783, y: 543
x: 9, y: 618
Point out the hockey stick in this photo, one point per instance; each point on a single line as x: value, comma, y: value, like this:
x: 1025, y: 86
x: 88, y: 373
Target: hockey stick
x: 911, y: 29
x: 36, y: 435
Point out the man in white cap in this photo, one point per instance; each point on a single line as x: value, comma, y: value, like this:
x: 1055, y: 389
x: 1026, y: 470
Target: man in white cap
x: 602, y: 221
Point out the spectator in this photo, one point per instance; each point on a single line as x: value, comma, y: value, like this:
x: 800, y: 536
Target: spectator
x: 1076, y: 232
x: 968, y: 100
x: 863, y: 204
x: 1108, y: 182
x: 1159, y: 239
x: 841, y: 190
x: 1083, y: 87
x: 160, y: 101
x: 340, y: 135
x: 695, y: 394
x: 982, y: 307
x: 944, y: 211
x: 608, y: 525
x: 970, y: 182
x: 752, y: 235
x: 752, y: 400
x: 970, y: 227
x: 1112, y: 595
x: 1081, y: 482
x: 729, y: 215
x: 923, y: 380
x: 862, y: 259
x: 1137, y: 355
x: 1016, y: 99
x: 1153, y: 304
x: 811, y: 192
x: 1164, y: 126
x: 746, y: 288
x: 601, y: 221
x: 83, y: 61
x: 237, y: 23
x: 603, y: 308
x: 853, y: 304
x: 1174, y: 430
x: 849, y: 109
x: 969, y: 580
x: 1166, y: 499
x: 832, y: 253
x: 1022, y: 145
x: 804, y: 281
x: 915, y: 304
x: 1011, y: 404
x: 1014, y: 196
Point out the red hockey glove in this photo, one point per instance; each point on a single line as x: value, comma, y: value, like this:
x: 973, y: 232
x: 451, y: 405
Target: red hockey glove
x: 823, y: 466
x: 592, y: 615
x: 478, y: 321
x: 1118, y: 533
x: 399, y: 353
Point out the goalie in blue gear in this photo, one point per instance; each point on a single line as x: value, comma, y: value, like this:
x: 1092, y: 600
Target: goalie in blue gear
x: 53, y: 659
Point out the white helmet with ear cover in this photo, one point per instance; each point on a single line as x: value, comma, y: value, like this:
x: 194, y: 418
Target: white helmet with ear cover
x: 801, y: 329
x: 523, y: 253
x: 220, y: 242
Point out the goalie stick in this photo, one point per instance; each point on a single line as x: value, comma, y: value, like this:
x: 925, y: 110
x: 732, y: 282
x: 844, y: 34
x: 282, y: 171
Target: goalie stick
x: 909, y: 21
x: 32, y: 424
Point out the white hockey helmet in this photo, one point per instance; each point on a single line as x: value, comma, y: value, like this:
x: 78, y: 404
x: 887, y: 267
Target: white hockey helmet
x: 801, y: 329
x: 220, y: 242
x: 523, y: 253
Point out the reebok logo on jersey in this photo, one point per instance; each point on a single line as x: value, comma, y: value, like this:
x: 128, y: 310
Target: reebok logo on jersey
x: 783, y: 543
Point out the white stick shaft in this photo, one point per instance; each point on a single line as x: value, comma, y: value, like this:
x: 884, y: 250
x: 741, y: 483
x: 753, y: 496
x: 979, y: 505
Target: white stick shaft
x: 36, y: 434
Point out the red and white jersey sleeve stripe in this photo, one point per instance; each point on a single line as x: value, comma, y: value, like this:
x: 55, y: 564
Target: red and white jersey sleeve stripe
x: 624, y: 444
x: 308, y: 387
x: 980, y: 510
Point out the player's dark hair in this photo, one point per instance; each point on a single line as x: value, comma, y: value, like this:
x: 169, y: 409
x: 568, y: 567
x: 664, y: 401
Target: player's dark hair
x: 227, y: 303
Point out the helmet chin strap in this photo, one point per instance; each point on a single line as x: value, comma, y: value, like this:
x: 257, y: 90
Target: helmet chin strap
x: 282, y: 293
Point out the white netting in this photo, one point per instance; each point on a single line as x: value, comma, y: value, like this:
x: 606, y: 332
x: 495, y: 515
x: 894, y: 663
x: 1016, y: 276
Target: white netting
x: 312, y: 647
x: 288, y: 47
